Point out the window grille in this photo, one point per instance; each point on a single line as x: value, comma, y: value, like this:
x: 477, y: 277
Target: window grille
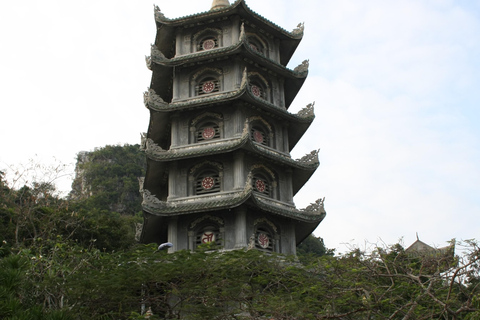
x: 206, y: 86
x: 259, y: 135
x: 208, y: 131
x: 261, y: 185
x: 264, y: 240
x: 208, y: 234
x: 207, y: 182
x: 207, y: 44
x: 257, y: 91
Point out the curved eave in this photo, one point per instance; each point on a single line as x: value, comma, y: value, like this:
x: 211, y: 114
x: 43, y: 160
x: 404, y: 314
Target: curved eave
x: 272, y: 206
x: 221, y: 146
x: 241, y: 47
x: 219, y: 201
x: 155, y: 102
x: 216, y: 202
x: 305, y: 220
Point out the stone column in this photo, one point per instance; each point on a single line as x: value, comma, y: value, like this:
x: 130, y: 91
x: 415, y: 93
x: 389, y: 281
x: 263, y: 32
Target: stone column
x: 239, y: 171
x: 288, y: 245
x: 173, y: 233
x: 172, y: 181
x: 285, y: 138
x: 174, y: 131
x: 191, y: 239
x: 289, y: 186
x: 241, y: 239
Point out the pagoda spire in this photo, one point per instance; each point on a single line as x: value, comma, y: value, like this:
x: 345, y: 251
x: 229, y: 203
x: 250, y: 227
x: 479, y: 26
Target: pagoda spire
x: 219, y: 4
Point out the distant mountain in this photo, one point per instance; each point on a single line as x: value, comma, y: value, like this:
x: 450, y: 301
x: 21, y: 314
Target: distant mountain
x: 107, y: 178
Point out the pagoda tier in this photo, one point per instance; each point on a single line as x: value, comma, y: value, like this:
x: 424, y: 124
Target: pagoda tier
x: 239, y: 13
x: 302, y: 168
x: 299, y: 122
x: 219, y: 168
x: 293, y: 79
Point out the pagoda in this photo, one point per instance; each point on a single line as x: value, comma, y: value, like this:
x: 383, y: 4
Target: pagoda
x: 218, y: 145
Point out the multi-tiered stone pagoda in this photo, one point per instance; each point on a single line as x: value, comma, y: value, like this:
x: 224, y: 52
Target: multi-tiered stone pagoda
x: 218, y: 145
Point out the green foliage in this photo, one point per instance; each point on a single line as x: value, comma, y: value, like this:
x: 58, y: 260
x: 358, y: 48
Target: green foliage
x: 107, y: 179
x: 76, y: 259
x: 312, y: 247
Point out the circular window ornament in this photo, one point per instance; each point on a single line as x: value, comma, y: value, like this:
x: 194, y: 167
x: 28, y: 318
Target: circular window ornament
x: 208, y: 133
x: 208, y: 86
x: 208, y: 183
x: 260, y: 185
x: 208, y: 44
x: 208, y: 236
x: 258, y: 136
x: 257, y: 92
x: 263, y: 240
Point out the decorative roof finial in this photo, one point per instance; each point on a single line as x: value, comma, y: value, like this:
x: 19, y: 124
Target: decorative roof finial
x: 219, y: 4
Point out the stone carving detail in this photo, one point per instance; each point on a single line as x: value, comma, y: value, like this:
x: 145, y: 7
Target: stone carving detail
x: 244, y: 78
x: 302, y: 68
x: 207, y: 30
x: 217, y: 165
x: 299, y: 29
x: 266, y: 221
x: 156, y: 53
x: 148, y: 61
x: 205, y: 217
x: 308, y: 111
x: 141, y: 181
x: 158, y: 13
x: 151, y: 146
x: 138, y: 231
x: 251, y: 242
x: 217, y: 116
x: 316, y: 207
x: 150, y: 97
x: 263, y: 167
x: 143, y: 141
x: 312, y: 157
x: 242, y: 33
x: 150, y: 200
x: 259, y: 118
x: 207, y: 70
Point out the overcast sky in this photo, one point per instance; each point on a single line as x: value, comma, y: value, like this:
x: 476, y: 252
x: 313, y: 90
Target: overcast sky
x: 396, y: 86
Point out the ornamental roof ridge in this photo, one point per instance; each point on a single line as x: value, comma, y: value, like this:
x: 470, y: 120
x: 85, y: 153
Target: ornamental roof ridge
x: 312, y: 214
x: 308, y: 111
x: 286, y: 159
x: 310, y: 158
x: 296, y: 33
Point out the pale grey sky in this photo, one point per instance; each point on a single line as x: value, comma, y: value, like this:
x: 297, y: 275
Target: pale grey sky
x: 396, y: 86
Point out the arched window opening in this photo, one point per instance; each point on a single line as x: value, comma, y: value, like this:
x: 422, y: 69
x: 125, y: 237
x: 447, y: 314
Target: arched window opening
x: 207, y: 131
x: 262, y: 185
x: 264, y: 240
x: 259, y: 135
x: 256, y: 44
x: 207, y: 43
x: 207, y: 85
x: 207, y: 181
x: 209, y: 234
